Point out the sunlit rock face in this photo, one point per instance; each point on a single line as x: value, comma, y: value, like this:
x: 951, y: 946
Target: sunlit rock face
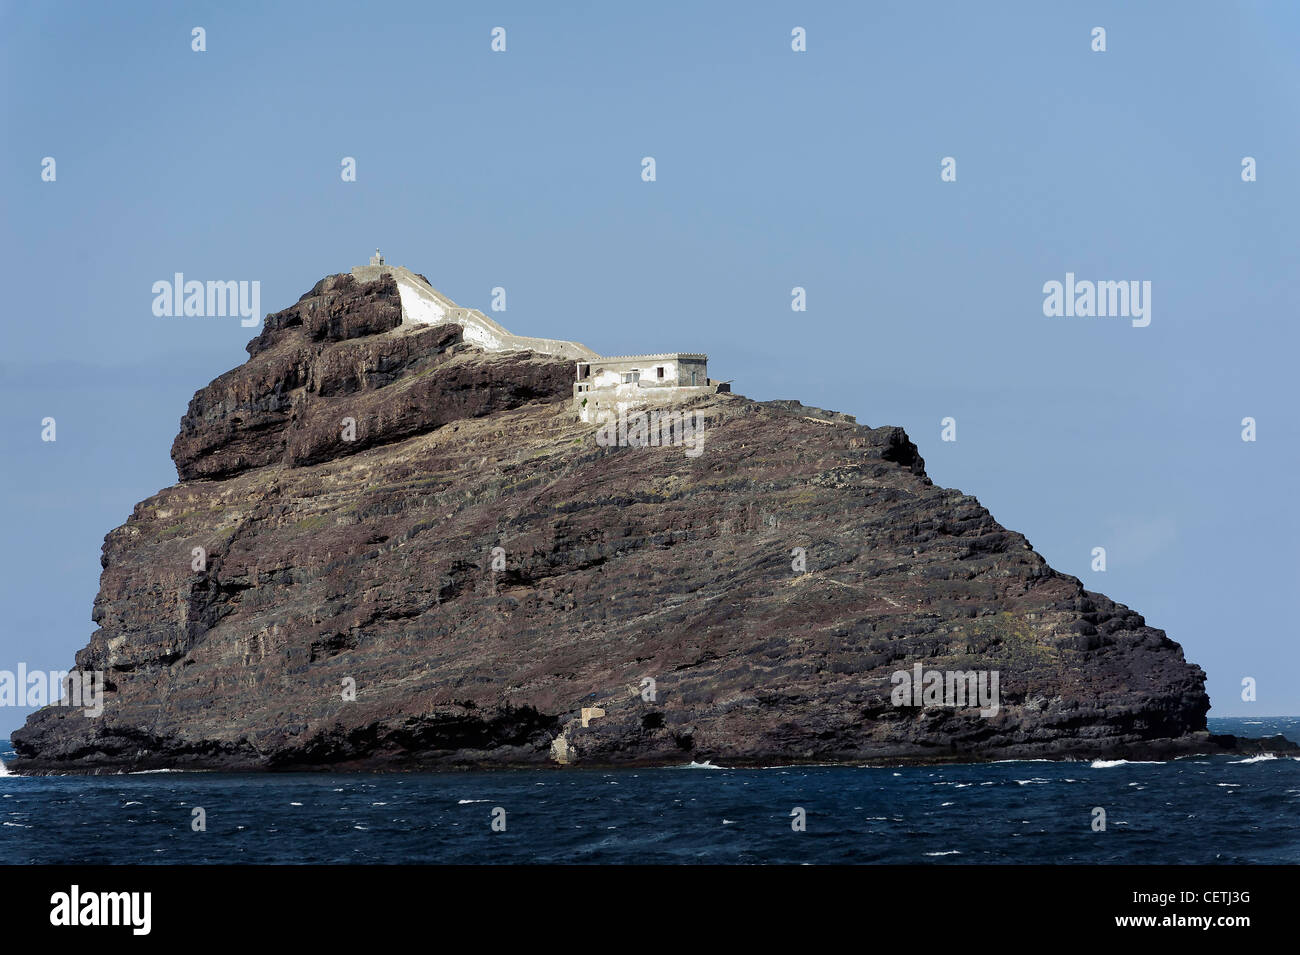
x: 393, y: 548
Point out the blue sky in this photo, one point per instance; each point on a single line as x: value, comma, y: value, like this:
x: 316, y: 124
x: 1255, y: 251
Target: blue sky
x: 775, y: 169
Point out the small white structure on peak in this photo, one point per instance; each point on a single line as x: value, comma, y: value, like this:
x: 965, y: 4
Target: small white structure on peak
x: 607, y: 387
x: 603, y: 386
x: 422, y: 304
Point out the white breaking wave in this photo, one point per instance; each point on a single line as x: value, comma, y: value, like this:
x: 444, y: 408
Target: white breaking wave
x: 466, y: 802
x: 950, y: 852
x: 1254, y: 759
x: 1108, y: 763
x: 704, y: 765
x: 147, y: 772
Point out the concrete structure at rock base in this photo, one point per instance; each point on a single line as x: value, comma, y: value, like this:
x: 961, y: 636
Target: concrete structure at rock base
x: 603, y: 388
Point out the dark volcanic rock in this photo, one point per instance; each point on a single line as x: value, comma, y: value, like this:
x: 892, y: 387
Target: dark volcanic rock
x: 326, y: 360
x: 333, y: 562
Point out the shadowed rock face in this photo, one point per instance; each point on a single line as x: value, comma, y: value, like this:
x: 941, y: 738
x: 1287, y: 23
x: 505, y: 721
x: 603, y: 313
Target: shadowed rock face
x: 369, y: 562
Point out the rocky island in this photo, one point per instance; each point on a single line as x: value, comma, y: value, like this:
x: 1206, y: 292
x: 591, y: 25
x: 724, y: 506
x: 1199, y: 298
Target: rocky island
x: 396, y: 543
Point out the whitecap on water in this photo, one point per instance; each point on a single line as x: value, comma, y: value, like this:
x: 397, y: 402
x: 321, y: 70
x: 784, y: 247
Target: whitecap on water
x: 1108, y: 763
x: 150, y: 772
x: 1254, y: 759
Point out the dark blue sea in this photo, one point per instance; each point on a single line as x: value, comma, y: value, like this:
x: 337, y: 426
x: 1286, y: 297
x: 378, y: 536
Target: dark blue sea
x: 1193, y: 810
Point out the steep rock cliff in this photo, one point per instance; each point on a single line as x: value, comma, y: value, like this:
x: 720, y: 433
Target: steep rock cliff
x: 348, y: 485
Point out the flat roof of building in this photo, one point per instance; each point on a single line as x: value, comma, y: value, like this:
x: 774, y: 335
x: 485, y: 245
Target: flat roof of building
x: 660, y: 357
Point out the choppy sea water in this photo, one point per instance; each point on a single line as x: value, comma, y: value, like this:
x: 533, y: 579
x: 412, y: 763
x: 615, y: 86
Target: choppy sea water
x: 1193, y: 810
